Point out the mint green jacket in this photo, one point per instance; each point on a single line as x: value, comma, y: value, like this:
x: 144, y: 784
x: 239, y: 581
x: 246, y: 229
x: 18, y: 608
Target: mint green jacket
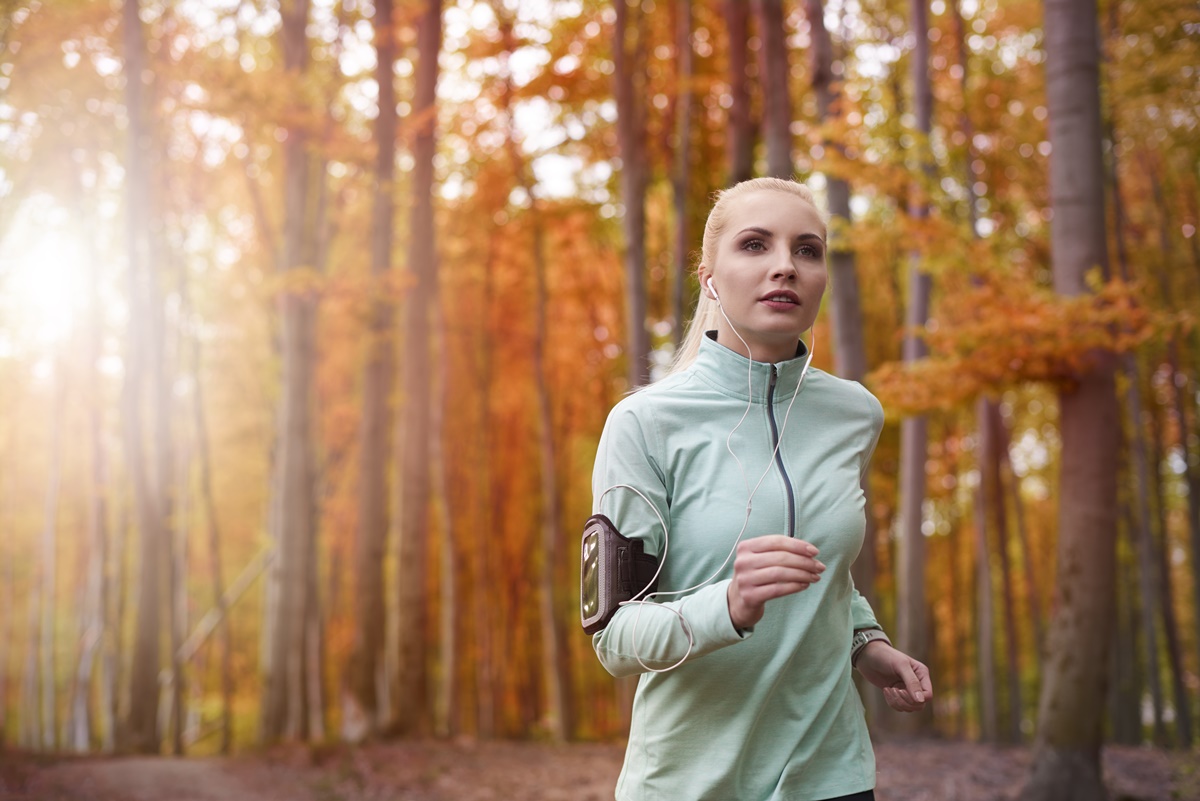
x: 770, y: 713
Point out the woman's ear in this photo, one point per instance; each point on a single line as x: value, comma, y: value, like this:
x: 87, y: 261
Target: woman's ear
x: 705, y: 277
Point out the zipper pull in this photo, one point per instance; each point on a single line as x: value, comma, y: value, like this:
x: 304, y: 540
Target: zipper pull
x: 773, y: 374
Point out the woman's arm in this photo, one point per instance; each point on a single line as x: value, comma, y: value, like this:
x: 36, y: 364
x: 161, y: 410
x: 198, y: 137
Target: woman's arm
x: 650, y: 636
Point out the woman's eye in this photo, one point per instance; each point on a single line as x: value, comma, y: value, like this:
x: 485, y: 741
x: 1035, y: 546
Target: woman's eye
x: 753, y: 244
x: 808, y: 251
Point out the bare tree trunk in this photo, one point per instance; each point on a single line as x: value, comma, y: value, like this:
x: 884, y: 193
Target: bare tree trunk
x: 1070, y: 713
x: 1181, y: 386
x: 7, y: 598
x: 681, y: 169
x: 1142, y: 535
x: 1183, y: 711
x: 1011, y: 644
x: 1125, y: 692
x: 409, y: 685
x: 739, y: 143
x: 95, y: 605
x: 361, y: 712
x: 29, y: 733
x: 775, y: 77
x: 177, y: 574
x: 142, y: 725
x: 627, y: 65
x: 985, y: 624
x: 1012, y: 485
x: 446, y: 703
x: 284, y: 709
x: 484, y: 559
x: 912, y: 615
x: 214, y: 550
x: 48, y: 573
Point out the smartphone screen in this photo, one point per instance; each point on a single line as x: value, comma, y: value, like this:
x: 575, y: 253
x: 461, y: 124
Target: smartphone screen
x: 591, y: 573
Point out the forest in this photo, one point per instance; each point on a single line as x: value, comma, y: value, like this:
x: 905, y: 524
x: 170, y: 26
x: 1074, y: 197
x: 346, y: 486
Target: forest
x: 312, y: 312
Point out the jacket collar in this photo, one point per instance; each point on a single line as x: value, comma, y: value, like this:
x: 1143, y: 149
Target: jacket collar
x: 732, y: 373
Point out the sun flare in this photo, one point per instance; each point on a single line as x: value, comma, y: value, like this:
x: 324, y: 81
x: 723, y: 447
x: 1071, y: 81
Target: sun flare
x: 43, y: 277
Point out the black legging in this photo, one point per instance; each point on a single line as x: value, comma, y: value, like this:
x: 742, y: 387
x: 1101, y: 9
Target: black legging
x: 866, y: 795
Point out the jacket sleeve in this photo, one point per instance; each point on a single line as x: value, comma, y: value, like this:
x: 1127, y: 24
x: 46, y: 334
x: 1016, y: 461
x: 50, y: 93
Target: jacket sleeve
x: 862, y: 616
x: 655, y: 635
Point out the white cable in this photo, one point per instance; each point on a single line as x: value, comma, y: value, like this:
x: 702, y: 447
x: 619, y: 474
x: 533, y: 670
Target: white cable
x: 641, y: 602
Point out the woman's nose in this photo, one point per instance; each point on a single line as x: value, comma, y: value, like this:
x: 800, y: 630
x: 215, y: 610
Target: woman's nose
x: 784, y: 268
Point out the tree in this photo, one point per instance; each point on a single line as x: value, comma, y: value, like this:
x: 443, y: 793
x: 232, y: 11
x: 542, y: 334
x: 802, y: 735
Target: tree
x: 682, y: 166
x: 739, y: 142
x: 141, y: 726
x: 362, y: 714
x: 912, y: 626
x: 285, y: 711
x: 409, y: 683
x: 1070, y: 711
x: 628, y: 52
x: 777, y: 99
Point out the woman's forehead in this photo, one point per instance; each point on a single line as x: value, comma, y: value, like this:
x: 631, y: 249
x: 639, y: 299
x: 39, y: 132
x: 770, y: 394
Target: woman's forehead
x: 771, y: 209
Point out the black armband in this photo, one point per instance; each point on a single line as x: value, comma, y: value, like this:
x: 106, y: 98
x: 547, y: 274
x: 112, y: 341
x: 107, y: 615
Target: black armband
x: 614, y: 569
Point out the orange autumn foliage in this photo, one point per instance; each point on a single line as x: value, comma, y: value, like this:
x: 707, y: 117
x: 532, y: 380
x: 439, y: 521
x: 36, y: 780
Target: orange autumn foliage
x: 1002, y: 333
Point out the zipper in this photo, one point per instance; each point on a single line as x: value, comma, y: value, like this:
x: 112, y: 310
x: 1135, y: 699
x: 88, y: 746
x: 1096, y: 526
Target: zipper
x: 787, y: 482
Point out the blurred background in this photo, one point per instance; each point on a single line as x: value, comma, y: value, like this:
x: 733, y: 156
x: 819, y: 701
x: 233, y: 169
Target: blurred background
x: 311, y: 314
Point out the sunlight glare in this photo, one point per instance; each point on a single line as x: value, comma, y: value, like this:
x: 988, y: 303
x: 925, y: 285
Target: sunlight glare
x: 43, y: 278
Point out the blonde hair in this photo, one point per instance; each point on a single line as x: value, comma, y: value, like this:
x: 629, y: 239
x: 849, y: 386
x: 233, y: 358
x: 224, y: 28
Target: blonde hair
x: 707, y: 313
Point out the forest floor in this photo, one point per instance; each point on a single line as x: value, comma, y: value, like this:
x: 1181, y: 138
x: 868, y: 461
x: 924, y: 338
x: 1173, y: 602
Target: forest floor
x: 925, y: 770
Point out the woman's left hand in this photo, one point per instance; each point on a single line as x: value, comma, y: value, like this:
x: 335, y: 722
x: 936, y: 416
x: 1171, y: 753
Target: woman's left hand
x: 905, y: 681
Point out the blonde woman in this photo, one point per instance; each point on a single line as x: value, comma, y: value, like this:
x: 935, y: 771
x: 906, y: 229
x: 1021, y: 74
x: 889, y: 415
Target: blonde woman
x: 740, y: 473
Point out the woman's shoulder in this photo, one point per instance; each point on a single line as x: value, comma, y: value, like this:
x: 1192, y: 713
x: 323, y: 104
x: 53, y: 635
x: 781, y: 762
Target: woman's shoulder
x: 849, y: 395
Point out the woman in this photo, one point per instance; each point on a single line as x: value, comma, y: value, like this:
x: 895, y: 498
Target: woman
x: 746, y: 691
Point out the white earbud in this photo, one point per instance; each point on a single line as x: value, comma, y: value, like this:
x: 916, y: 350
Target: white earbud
x: 713, y: 290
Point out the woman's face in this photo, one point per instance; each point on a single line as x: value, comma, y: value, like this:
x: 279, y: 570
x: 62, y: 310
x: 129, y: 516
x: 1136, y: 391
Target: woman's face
x: 769, y: 273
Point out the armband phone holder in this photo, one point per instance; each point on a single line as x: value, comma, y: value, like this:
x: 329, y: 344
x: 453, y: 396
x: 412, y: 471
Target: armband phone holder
x: 614, y: 569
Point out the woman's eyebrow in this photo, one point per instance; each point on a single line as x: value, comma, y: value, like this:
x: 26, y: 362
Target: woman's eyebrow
x: 768, y: 234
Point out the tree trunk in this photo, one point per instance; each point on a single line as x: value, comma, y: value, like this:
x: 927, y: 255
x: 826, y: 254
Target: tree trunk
x: 94, y: 632
x: 1148, y: 578
x: 995, y: 425
x: 200, y: 422
x: 739, y: 142
x: 7, y: 605
x: 1183, y: 711
x: 1125, y: 692
x: 985, y: 625
x: 1012, y: 485
x: 775, y: 77
x: 142, y: 724
x: 284, y: 710
x: 446, y: 703
x: 48, y: 573
x: 484, y: 560
x: 910, y: 579
x: 629, y: 86
x: 361, y: 712
x: 1070, y: 712
x: 1181, y: 389
x: 682, y: 166
x: 410, y: 709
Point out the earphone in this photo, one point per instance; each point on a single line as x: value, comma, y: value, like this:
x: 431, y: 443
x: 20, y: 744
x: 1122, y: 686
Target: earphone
x: 641, y: 600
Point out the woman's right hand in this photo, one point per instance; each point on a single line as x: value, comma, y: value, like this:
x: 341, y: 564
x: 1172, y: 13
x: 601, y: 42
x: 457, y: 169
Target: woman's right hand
x: 769, y: 567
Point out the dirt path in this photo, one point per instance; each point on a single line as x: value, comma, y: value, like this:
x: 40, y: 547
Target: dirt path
x: 438, y: 771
